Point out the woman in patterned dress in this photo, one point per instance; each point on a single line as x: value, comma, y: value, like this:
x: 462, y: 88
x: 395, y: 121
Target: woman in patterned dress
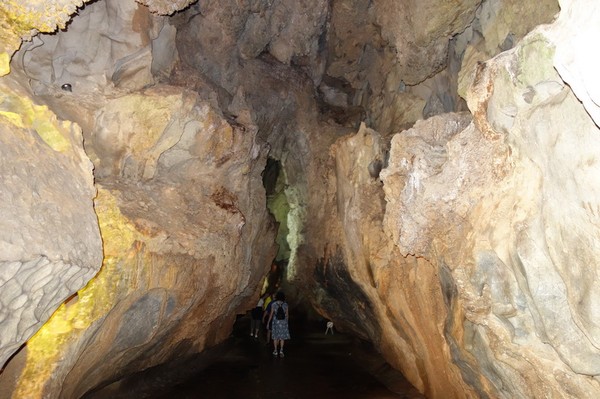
x: 280, y: 331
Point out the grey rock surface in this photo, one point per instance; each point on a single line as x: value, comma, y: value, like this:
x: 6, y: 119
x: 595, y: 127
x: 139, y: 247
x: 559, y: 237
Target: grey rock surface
x: 50, y: 243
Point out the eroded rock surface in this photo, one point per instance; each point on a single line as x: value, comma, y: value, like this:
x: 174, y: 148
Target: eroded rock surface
x: 463, y: 245
x: 181, y: 207
x: 507, y: 186
x: 22, y: 20
x: 49, y: 241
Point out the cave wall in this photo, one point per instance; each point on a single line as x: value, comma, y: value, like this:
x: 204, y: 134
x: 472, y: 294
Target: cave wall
x: 478, y: 213
x: 46, y: 254
x: 177, y: 197
x: 454, y: 227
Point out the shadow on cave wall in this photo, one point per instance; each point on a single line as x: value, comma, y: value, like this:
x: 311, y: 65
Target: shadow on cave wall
x: 342, y: 298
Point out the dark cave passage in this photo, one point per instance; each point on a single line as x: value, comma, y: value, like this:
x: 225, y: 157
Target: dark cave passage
x: 316, y: 366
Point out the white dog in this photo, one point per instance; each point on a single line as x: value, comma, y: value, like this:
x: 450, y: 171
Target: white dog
x: 329, y: 327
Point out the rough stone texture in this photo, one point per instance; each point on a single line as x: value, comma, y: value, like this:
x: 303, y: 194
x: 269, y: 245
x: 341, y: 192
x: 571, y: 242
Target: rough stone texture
x: 464, y: 247
x: 366, y: 285
x: 384, y: 48
x: 120, y: 51
x: 21, y: 20
x: 166, y: 7
x: 421, y: 154
x: 287, y: 30
x: 186, y: 231
x: 46, y: 253
x: 179, y: 191
x: 485, y: 210
x: 498, y: 26
x: 523, y: 305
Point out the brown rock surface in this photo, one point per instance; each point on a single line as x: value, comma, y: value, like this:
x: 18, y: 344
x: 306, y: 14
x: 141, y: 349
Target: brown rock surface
x: 463, y: 246
x: 179, y: 191
x: 497, y: 195
x: 366, y: 285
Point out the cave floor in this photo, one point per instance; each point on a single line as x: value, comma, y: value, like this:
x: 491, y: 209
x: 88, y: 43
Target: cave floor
x: 315, y: 366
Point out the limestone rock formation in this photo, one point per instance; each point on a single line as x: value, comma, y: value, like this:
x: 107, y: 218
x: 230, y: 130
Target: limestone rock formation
x: 49, y: 241
x: 125, y: 48
x: 181, y: 208
x: 472, y: 204
x: 498, y: 26
x: 456, y: 234
x: 22, y: 20
x: 164, y: 7
x: 386, y: 49
x: 504, y: 186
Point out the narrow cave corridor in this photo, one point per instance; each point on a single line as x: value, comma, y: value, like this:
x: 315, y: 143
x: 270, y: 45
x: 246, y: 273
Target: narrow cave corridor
x: 316, y: 366
x: 423, y: 173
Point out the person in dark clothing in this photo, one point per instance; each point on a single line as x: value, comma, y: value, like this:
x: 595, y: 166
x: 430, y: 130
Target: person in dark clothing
x: 256, y: 315
x: 268, y: 303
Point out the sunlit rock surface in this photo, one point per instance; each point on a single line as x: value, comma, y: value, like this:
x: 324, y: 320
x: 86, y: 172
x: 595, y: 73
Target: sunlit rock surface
x: 456, y: 234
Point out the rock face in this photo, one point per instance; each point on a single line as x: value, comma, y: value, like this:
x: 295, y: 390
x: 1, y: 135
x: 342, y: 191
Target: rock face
x: 456, y: 234
x: 172, y: 281
x: 484, y: 207
x: 125, y: 48
x: 181, y: 208
x: 46, y: 253
x: 22, y: 20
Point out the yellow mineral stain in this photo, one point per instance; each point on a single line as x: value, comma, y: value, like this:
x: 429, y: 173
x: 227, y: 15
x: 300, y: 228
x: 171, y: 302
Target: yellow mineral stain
x: 151, y: 114
x: 118, y: 233
x: 46, y: 348
x: 21, y: 18
x: 52, y: 132
x: 12, y: 118
x: 4, y: 64
x: 23, y: 113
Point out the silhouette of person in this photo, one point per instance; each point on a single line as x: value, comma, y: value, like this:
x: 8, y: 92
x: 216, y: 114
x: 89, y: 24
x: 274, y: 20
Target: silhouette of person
x: 256, y: 319
x: 266, y: 320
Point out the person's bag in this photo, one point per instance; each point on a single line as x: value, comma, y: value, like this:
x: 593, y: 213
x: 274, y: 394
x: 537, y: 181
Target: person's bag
x: 280, y: 315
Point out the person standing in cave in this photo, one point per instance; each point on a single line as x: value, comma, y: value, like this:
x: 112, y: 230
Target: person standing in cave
x: 280, y: 330
x: 267, y: 305
x: 256, y: 315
